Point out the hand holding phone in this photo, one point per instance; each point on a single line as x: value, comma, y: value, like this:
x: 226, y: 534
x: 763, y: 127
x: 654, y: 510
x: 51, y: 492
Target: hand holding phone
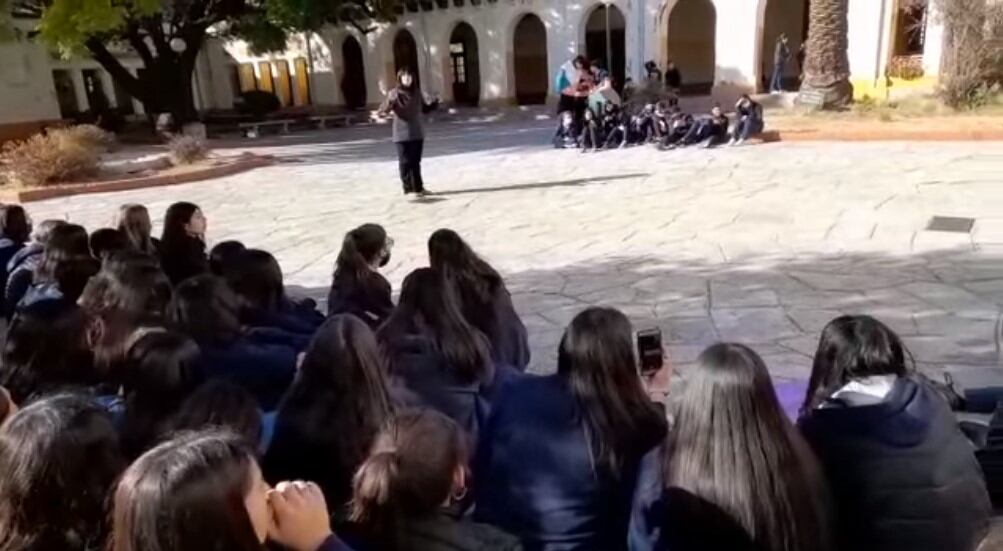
x: 649, y: 350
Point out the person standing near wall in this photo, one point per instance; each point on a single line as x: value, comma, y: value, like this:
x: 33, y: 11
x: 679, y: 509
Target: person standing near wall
x: 781, y: 54
x: 408, y: 106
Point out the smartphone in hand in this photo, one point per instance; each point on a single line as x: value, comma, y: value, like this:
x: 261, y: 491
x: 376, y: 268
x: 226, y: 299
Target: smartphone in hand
x: 649, y: 350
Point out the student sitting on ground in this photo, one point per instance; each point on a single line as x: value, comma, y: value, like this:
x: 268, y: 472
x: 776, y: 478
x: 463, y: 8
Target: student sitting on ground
x: 616, y: 124
x: 204, y: 490
x: 750, y: 120
x: 333, y: 410
x: 708, y: 131
x: 21, y: 268
x: 256, y: 277
x: 207, y: 310
x: 134, y: 222
x: 568, y: 131
x: 358, y: 287
x: 45, y: 350
x: 437, y: 358
x: 558, y: 458
x: 679, y: 124
x: 15, y: 229
x: 67, y: 254
x: 732, y: 446
x: 59, y: 457
x: 417, y: 470
x: 182, y: 245
x: 105, y: 241
x: 223, y: 254
x: 486, y: 303
x: 902, y: 473
x: 218, y: 404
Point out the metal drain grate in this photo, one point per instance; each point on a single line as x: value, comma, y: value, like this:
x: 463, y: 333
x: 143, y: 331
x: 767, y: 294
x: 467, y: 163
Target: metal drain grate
x: 950, y: 224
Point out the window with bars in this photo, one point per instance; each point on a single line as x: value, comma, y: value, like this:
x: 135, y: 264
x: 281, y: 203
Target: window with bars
x: 458, y: 62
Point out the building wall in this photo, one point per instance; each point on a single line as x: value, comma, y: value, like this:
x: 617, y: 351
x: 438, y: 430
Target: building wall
x: 743, y: 37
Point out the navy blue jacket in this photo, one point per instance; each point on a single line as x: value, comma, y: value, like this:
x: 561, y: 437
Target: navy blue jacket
x: 20, y: 272
x: 903, y: 475
x: 8, y: 249
x: 536, y: 477
x: 264, y: 369
x: 293, y: 325
x: 509, y: 340
x: 371, y: 303
x: 422, y: 377
x: 183, y: 258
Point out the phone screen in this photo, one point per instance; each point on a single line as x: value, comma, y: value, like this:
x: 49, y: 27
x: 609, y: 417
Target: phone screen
x: 649, y: 349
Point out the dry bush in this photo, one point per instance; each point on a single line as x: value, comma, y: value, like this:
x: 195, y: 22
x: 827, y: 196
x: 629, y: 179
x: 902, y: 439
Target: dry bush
x: 186, y: 150
x: 973, y: 51
x: 87, y: 135
x: 43, y: 159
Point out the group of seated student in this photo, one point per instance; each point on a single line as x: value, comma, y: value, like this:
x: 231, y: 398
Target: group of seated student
x: 213, y: 411
x: 608, y: 125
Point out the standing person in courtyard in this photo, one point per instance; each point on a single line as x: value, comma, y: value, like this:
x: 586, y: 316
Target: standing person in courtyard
x: 673, y: 78
x: 408, y: 107
x: 781, y: 54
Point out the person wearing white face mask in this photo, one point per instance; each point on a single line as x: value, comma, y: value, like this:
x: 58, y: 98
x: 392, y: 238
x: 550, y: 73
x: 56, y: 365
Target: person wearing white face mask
x: 407, y: 105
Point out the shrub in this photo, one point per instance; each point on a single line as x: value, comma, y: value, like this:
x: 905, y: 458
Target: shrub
x: 88, y: 135
x: 973, y: 52
x: 58, y: 156
x: 257, y: 103
x: 186, y: 150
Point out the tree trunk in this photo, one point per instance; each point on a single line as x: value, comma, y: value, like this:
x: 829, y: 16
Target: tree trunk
x: 827, y: 65
x: 165, y: 86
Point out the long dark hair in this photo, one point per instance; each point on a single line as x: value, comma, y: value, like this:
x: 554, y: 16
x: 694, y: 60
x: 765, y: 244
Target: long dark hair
x: 733, y: 446
x: 221, y: 404
x: 409, y: 473
x: 360, y: 249
x: 187, y: 494
x: 256, y: 277
x: 58, y: 459
x: 336, y: 405
x: 206, y: 309
x: 223, y: 255
x: 46, y: 350
x: 67, y: 242
x: 161, y: 371
x: 134, y: 222
x: 14, y: 224
x: 428, y: 306
x: 853, y: 347
x: 175, y: 219
x: 596, y: 358
x: 476, y: 282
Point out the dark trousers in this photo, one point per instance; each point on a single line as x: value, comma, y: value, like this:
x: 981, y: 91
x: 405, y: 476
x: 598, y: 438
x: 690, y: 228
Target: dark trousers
x: 409, y: 159
x: 777, y: 80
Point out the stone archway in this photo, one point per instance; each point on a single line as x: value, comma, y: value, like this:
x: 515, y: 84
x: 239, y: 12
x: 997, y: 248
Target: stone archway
x: 353, y: 82
x: 530, y: 60
x: 788, y: 17
x: 406, y: 54
x: 464, y: 65
x: 606, y: 41
x: 692, y: 39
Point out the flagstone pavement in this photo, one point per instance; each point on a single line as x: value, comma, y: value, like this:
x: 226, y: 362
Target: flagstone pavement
x: 760, y: 244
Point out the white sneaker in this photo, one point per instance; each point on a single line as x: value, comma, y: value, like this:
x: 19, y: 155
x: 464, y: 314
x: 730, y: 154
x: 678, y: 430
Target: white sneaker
x: 732, y: 142
x: 740, y: 142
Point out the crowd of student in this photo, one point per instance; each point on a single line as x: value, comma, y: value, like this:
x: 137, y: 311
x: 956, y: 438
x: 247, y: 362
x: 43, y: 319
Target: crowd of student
x: 174, y: 399
x: 593, y: 116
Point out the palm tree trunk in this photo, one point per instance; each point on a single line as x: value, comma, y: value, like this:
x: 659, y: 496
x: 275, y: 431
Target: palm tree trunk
x: 827, y: 66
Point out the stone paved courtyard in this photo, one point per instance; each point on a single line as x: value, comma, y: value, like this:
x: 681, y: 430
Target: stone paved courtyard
x: 761, y: 244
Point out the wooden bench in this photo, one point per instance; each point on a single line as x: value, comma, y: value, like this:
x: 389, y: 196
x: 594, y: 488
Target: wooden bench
x: 339, y: 120
x: 252, y: 129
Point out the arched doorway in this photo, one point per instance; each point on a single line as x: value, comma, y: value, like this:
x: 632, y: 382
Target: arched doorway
x: 692, y: 29
x: 464, y: 65
x: 406, y: 54
x: 353, y: 82
x: 530, y: 60
x: 605, y: 40
x: 788, y: 17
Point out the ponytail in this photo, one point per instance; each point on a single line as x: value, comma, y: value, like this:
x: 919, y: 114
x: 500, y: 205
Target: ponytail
x: 350, y: 261
x: 373, y: 485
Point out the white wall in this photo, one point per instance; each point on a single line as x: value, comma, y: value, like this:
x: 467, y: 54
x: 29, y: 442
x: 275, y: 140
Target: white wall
x: 26, y: 87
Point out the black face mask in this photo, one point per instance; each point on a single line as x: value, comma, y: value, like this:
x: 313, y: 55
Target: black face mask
x: 385, y: 260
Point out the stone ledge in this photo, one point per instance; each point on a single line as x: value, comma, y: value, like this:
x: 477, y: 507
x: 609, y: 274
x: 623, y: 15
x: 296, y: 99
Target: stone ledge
x: 241, y: 164
x: 881, y: 135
